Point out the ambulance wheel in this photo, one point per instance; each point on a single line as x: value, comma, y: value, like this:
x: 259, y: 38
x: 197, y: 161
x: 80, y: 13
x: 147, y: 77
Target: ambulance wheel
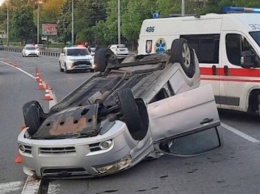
x: 32, y: 112
x: 181, y: 53
x: 132, y: 114
x: 101, y: 59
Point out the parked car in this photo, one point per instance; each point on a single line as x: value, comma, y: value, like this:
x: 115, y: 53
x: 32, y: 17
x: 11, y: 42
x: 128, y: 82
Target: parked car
x: 93, y: 50
x: 30, y: 50
x: 142, y: 107
x: 75, y: 58
x: 119, y: 49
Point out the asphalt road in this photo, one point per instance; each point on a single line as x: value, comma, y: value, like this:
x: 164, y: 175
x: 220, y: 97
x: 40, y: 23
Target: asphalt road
x: 233, y: 168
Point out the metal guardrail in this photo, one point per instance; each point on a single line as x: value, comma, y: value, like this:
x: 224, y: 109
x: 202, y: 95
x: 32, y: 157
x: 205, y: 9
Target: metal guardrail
x: 53, y: 52
x: 44, y: 52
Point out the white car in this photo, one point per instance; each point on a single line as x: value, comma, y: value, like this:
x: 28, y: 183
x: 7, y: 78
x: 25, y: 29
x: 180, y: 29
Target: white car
x: 75, y: 58
x: 30, y: 51
x: 93, y: 50
x: 119, y: 49
x: 144, y: 107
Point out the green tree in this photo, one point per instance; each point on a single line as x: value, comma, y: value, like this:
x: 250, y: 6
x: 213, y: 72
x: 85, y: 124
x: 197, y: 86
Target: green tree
x: 86, y: 15
x: 21, y: 24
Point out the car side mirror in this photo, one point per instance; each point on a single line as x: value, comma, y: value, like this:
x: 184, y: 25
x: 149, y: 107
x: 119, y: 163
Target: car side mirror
x: 247, y: 59
x: 192, y: 144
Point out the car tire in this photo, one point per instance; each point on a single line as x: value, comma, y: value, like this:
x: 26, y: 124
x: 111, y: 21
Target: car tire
x: 131, y: 114
x: 181, y: 53
x: 61, y: 70
x: 32, y: 113
x: 101, y: 59
x: 65, y: 68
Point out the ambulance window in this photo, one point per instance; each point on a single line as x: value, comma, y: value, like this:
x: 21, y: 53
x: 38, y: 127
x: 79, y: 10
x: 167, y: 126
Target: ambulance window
x: 148, y: 46
x: 256, y: 36
x: 233, y: 48
x: 206, y: 46
x: 206, y: 51
x: 246, y: 46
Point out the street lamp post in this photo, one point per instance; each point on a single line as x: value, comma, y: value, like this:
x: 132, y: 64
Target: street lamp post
x: 38, y: 23
x: 72, y: 22
x: 119, y: 26
x: 7, y: 25
x: 182, y: 7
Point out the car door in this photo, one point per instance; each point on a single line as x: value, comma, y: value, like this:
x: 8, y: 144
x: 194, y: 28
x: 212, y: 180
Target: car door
x: 183, y: 114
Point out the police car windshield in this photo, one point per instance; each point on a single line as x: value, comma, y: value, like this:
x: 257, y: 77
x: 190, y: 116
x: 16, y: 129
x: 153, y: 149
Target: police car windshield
x: 77, y: 52
x: 30, y: 48
x: 256, y: 37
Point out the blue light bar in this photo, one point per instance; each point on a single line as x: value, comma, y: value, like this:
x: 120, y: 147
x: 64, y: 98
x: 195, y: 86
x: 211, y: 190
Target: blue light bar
x: 228, y: 9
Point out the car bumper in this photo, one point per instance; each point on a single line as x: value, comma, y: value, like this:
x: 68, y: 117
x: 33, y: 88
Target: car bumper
x: 82, y: 157
x: 31, y: 54
x: 80, y: 66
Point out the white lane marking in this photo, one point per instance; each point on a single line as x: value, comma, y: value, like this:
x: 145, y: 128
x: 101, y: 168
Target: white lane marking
x: 52, y: 94
x: 54, y: 99
x: 10, y: 187
x: 19, y: 69
x: 31, y: 186
x: 239, y: 133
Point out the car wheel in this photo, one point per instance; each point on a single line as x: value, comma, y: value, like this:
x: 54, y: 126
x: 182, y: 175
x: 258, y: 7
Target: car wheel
x: 131, y: 114
x: 65, y: 68
x: 61, y: 70
x: 181, y: 53
x: 32, y: 112
x: 101, y: 59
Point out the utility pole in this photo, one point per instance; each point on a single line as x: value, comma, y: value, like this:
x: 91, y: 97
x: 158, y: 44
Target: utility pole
x: 119, y: 26
x: 38, y: 23
x: 182, y: 7
x: 72, y: 22
x: 7, y: 26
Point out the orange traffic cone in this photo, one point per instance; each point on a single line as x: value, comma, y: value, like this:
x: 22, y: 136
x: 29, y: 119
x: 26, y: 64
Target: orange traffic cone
x: 37, y: 75
x: 22, y: 127
x: 18, y: 158
x: 47, y: 93
x: 40, y: 85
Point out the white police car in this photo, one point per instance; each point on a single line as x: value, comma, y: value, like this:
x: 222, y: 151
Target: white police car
x: 75, y: 58
x: 30, y: 50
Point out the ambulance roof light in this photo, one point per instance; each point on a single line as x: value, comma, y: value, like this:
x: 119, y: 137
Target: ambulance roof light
x: 229, y: 9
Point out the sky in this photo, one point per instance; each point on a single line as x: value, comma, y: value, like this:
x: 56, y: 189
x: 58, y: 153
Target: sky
x: 1, y: 2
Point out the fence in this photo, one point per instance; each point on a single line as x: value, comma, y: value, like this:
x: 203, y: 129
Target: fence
x: 46, y: 52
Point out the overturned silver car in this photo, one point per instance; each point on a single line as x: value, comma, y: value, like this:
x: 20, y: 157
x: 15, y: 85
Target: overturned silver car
x: 130, y: 109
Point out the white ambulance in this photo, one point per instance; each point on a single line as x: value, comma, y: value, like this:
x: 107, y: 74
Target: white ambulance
x: 228, y: 49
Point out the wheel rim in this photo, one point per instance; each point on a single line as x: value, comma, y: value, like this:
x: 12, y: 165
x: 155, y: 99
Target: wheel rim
x: 186, y: 55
